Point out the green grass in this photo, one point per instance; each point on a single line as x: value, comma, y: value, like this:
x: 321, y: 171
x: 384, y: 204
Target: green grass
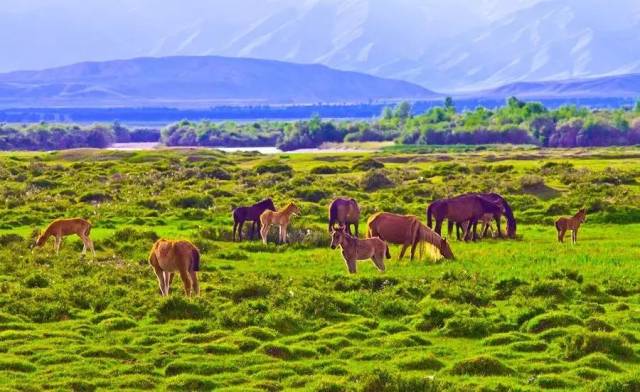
x: 522, y: 314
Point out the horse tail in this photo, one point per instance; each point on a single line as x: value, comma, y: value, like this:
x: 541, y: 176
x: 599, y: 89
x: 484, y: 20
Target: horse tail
x: 429, y: 213
x: 386, y: 250
x: 195, y: 260
x: 557, y: 224
x: 333, y: 213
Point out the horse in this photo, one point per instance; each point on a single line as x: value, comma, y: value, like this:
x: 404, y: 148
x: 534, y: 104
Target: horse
x: 344, y: 212
x: 252, y: 213
x: 506, y: 211
x: 571, y: 223
x: 354, y: 249
x: 280, y: 218
x: 468, y: 207
x: 60, y: 228
x: 168, y: 256
x: 405, y: 230
x: 465, y: 226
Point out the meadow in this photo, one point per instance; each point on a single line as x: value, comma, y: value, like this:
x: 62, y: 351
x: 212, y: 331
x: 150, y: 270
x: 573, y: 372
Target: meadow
x: 505, y: 315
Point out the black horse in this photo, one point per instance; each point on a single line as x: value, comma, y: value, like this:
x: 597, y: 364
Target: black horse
x: 252, y: 213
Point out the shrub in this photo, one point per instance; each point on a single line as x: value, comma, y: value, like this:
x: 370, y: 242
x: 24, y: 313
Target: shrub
x: 481, y: 366
x: 178, y: 307
x: 193, y: 201
x: 551, y: 320
x: 274, y: 167
x: 420, y: 362
x: 372, y: 181
x: 467, y: 327
x: 36, y: 280
x: 581, y: 344
x: 366, y: 164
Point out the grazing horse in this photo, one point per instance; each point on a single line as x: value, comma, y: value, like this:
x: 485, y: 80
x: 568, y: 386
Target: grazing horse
x: 354, y: 249
x: 64, y: 227
x: 252, y: 213
x: 469, y: 207
x: 344, y: 212
x: 168, y: 256
x: 280, y: 218
x: 405, y: 230
x: 573, y: 223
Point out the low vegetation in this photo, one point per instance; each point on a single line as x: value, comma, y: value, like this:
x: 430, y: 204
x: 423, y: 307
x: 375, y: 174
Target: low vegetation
x: 525, y: 314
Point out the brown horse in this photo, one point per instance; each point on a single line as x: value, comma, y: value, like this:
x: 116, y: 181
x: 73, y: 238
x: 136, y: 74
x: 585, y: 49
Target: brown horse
x: 251, y: 213
x: 463, y: 208
x: 354, y: 249
x: 571, y: 223
x: 169, y: 256
x: 344, y: 212
x: 406, y: 230
x: 280, y: 218
x: 64, y: 227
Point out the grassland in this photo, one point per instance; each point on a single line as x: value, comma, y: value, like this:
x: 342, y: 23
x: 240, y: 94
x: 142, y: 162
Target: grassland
x: 525, y: 314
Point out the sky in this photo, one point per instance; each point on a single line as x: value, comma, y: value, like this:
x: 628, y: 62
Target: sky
x: 444, y: 44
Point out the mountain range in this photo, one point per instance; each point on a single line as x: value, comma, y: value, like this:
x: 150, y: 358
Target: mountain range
x: 188, y: 81
x: 453, y: 46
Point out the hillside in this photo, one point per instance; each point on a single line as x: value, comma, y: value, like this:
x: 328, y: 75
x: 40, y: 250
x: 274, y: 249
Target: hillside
x: 189, y: 81
x: 622, y: 86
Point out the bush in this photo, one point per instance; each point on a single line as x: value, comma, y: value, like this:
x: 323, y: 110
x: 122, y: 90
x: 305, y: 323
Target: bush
x: 481, y: 366
x: 581, y: 344
x: 274, y: 167
x: 373, y: 181
x: 467, y: 327
x: 367, y: 164
x: 193, y: 201
x: 551, y: 320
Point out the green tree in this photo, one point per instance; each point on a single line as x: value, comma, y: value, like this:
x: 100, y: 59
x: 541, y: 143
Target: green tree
x: 387, y: 113
x: 449, y: 105
x: 402, y: 110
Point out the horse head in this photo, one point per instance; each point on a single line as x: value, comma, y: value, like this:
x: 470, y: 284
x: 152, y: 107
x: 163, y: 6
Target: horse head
x: 338, y: 236
x: 445, y: 250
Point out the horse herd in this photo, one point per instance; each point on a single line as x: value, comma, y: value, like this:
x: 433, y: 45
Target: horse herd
x: 463, y: 212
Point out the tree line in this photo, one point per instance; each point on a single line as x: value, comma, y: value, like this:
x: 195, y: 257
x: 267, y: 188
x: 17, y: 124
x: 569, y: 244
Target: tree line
x: 516, y: 122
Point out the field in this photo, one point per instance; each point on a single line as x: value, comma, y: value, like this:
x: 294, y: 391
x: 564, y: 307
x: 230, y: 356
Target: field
x: 524, y: 314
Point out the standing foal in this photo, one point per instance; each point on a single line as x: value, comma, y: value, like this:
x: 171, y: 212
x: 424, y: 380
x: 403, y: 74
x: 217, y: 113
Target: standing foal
x: 280, y: 218
x: 573, y: 223
x: 354, y: 249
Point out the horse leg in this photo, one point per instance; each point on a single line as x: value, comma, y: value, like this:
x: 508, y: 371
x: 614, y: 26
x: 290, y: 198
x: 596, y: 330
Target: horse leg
x: 263, y: 233
x: 450, y: 227
x: 195, y: 286
x: 351, y: 265
x: 561, y: 234
x: 283, y: 234
x: 404, y: 249
x: 413, y: 249
x: 378, y: 261
x: 498, y: 225
x: 233, y: 232
x: 160, y: 275
x: 240, y: 225
x: 438, y: 228
x: 84, y: 244
x: 57, y: 244
x: 575, y: 235
x: 168, y: 276
x: 186, y: 280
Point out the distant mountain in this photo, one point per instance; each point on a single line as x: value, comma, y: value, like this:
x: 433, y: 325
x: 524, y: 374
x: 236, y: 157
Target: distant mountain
x: 453, y: 45
x: 196, y: 81
x: 620, y: 86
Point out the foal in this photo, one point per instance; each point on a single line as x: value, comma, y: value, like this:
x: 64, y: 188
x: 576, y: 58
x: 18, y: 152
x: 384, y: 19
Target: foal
x: 64, y: 227
x: 280, y: 218
x: 168, y: 256
x: 563, y: 224
x: 354, y: 249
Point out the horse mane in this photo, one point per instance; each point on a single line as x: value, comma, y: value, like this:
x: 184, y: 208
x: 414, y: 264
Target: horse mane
x: 430, y: 237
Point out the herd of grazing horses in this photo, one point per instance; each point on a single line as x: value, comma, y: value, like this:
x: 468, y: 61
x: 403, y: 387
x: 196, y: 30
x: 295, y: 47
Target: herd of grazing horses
x: 464, y: 212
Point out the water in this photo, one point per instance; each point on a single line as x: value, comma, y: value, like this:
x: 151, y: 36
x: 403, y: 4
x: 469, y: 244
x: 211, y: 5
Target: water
x: 261, y: 150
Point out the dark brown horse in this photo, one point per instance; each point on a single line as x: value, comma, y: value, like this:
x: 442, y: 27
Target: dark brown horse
x: 252, y: 213
x: 506, y: 212
x: 463, y: 208
x: 344, y: 212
